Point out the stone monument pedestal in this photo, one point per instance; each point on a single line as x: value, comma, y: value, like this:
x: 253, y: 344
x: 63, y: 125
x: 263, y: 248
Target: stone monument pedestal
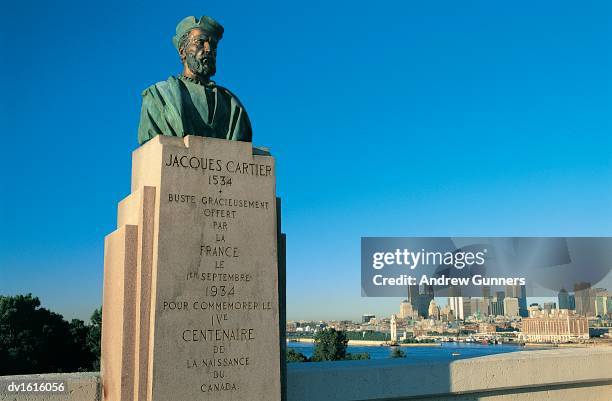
x: 193, y: 276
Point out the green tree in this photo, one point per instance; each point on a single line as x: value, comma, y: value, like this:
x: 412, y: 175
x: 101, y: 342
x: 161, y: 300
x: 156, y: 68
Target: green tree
x: 295, y: 356
x: 396, y: 352
x: 36, y: 340
x: 32, y: 339
x: 94, y: 337
x: 330, y: 345
x: 358, y: 357
x: 81, y: 358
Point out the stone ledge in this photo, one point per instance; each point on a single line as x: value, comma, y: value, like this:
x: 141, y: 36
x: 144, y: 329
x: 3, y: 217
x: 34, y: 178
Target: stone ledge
x: 394, y: 379
x: 555, y: 375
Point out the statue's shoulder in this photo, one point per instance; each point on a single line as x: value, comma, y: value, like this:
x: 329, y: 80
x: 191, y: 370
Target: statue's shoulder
x: 229, y: 93
x: 163, y: 87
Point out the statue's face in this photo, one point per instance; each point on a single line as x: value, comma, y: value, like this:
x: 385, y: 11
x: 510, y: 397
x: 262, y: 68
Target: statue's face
x: 200, y: 54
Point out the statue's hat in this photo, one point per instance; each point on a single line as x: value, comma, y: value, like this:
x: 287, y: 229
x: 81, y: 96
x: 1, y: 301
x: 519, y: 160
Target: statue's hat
x: 205, y: 23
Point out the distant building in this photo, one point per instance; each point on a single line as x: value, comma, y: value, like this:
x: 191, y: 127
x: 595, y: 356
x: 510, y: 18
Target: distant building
x: 549, y: 306
x: 393, y: 328
x: 563, y: 299
x: 520, y: 293
x: 406, y: 310
x: 461, y: 307
x: 497, y: 304
x: 534, y: 310
x: 487, y: 328
x: 511, y: 307
x: 467, y: 307
x: 487, y: 299
x: 572, y: 302
x: 479, y: 306
x: 420, y: 297
x: 456, y: 306
x: 434, y: 310
x: 512, y: 291
x: 497, y: 308
x: 446, y: 314
x: 585, y: 299
x: 561, y: 325
x: 603, y: 304
x: 367, y: 317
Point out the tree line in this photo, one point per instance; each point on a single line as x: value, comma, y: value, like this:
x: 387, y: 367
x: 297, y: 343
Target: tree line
x: 36, y: 340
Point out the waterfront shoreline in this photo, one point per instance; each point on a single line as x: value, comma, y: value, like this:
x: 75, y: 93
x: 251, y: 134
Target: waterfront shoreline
x: 366, y: 343
x: 446, y: 351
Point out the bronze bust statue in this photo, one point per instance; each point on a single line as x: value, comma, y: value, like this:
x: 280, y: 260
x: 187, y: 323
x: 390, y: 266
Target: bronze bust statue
x: 192, y: 104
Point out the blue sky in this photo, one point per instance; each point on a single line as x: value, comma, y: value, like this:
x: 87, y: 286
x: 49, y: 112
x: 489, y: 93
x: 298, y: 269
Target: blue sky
x: 386, y: 118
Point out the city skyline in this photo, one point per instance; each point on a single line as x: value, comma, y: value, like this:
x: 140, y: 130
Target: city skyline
x: 601, y: 297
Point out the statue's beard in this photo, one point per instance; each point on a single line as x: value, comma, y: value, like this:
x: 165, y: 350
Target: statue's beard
x: 203, y: 67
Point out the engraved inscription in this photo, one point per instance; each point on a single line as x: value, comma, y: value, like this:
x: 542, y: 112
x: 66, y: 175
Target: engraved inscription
x: 222, y: 303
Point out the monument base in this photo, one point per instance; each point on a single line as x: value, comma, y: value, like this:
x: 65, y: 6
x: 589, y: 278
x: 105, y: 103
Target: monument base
x: 194, y: 276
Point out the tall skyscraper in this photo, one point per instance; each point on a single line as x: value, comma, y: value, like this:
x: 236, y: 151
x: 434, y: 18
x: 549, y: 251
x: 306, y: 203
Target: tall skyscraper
x: 520, y: 293
x: 497, y: 308
x: 563, y: 299
x: 456, y: 305
x: 413, y: 293
x: 497, y: 304
x: 603, y: 304
x: 446, y: 314
x: 487, y: 299
x: 434, y: 310
x: 467, y: 307
x: 572, y: 302
x: 420, y: 297
x: 512, y: 291
x: 585, y: 299
x: 522, y: 299
x: 406, y: 310
x: 511, y: 307
x: 479, y: 306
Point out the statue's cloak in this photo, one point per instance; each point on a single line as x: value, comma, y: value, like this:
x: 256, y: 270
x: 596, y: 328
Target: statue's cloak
x: 180, y: 107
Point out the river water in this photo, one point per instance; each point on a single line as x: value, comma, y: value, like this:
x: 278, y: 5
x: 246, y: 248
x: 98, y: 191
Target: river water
x: 423, y: 354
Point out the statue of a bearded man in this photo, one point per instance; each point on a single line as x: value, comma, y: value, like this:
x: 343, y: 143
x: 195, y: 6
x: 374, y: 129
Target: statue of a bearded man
x: 192, y: 104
